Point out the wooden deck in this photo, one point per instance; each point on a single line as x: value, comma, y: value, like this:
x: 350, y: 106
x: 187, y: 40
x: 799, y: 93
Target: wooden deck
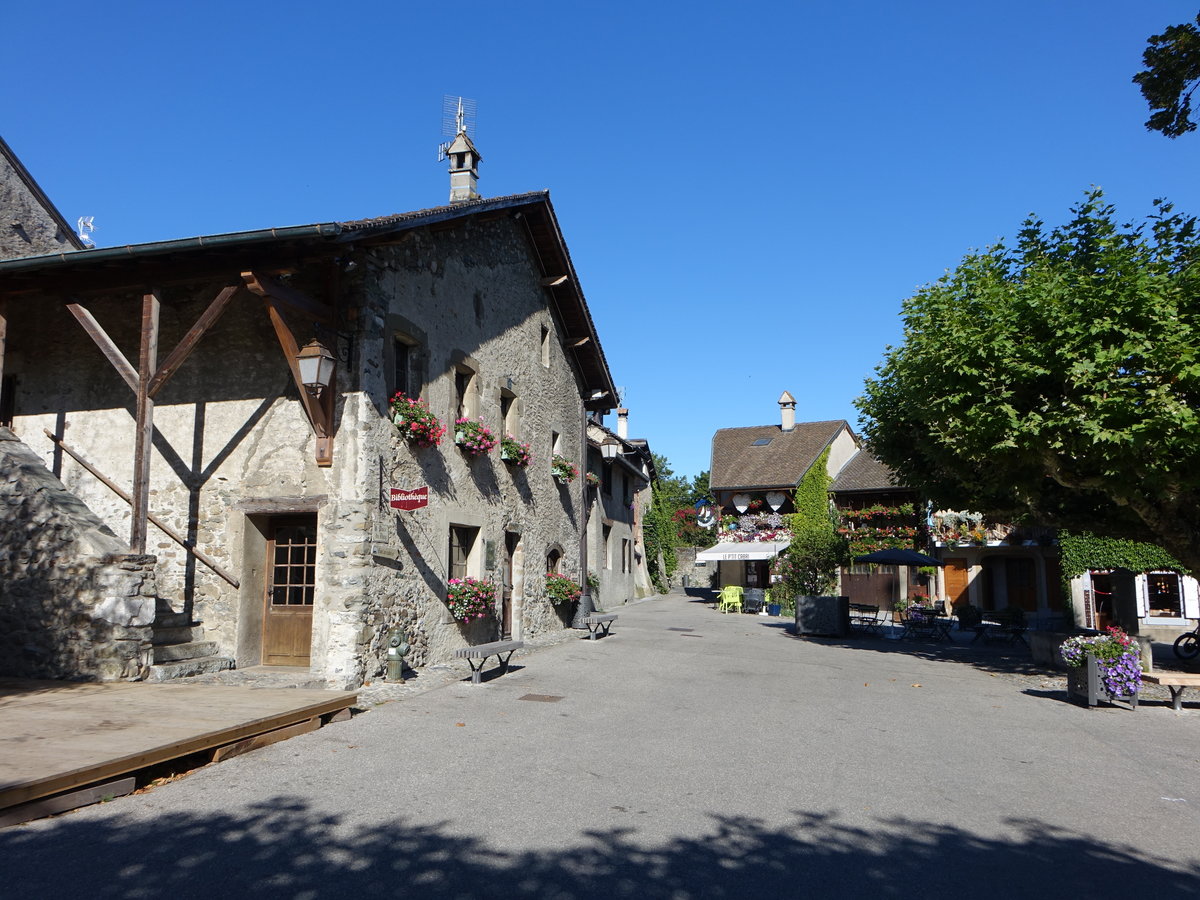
x: 60, y: 736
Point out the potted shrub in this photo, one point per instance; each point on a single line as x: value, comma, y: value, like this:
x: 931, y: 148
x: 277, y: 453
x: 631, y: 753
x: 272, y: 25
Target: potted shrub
x: 415, y: 422
x: 561, y: 590
x: 563, y: 469
x: 474, y: 437
x: 469, y: 598
x: 514, y: 452
x: 807, y: 570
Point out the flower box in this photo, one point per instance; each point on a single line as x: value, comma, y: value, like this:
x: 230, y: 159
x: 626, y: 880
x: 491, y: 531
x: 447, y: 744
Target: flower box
x: 474, y: 437
x: 561, y: 590
x: 468, y: 598
x: 1104, y: 666
x: 514, y: 452
x: 415, y: 422
x: 563, y: 469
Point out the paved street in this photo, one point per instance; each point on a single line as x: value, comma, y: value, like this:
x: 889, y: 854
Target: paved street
x: 689, y: 755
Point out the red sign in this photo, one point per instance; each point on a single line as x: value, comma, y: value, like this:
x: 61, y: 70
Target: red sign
x: 409, y: 500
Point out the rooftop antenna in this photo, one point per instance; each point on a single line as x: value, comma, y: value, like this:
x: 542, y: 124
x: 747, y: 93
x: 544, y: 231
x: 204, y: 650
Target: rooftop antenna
x: 620, y: 395
x: 85, y: 227
x: 458, y: 117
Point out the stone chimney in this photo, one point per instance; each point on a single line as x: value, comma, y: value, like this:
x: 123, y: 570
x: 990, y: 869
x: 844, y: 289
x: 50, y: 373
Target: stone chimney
x: 464, y: 169
x: 787, y: 411
x: 623, y: 423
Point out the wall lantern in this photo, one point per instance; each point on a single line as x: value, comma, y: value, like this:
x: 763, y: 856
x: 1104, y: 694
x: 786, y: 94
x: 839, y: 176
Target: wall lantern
x: 610, y: 449
x: 316, y: 367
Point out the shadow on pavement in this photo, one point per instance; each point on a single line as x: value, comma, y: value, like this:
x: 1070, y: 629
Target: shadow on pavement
x: 1013, y: 659
x: 283, y: 848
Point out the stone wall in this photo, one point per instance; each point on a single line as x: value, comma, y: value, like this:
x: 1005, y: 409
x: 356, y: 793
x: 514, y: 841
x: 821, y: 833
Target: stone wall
x: 73, y: 602
x: 702, y: 575
x: 29, y: 225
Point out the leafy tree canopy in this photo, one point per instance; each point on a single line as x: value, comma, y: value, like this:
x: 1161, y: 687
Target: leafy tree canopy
x: 1172, y: 73
x: 1056, y: 382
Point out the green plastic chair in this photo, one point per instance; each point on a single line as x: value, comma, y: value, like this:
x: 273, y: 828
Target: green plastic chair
x: 730, y: 599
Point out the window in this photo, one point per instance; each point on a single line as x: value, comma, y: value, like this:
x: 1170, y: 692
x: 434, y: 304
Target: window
x: 462, y: 544
x: 761, y: 442
x: 509, y: 419
x: 555, y: 443
x: 402, y: 380
x: 626, y: 555
x: 607, y: 479
x: 545, y: 346
x: 1163, y: 597
x: 465, y: 405
x: 553, y: 559
x: 606, y: 537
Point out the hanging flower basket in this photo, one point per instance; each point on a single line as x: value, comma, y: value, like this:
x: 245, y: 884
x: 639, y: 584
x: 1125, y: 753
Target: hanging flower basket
x: 415, y: 422
x: 470, y: 599
x: 563, y: 469
x: 592, y: 479
x: 560, y: 589
x: 1103, y: 665
x: 514, y: 452
x: 474, y: 437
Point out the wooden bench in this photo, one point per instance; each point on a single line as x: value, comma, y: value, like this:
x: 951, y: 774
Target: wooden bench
x: 866, y: 618
x: 502, y: 650
x: 599, y: 622
x: 1178, y: 682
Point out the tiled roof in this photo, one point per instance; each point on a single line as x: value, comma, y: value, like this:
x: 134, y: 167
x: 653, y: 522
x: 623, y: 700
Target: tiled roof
x: 741, y: 460
x: 863, y: 472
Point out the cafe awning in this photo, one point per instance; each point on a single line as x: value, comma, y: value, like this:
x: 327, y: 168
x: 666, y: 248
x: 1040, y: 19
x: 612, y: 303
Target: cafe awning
x: 742, y: 551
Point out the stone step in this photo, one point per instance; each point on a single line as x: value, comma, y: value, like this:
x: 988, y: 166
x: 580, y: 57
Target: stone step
x: 189, y: 650
x: 168, y: 619
x: 181, y: 635
x: 182, y: 669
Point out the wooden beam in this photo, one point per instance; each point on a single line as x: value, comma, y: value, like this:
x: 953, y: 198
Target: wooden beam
x: 297, y: 301
x: 106, y: 345
x: 147, y: 362
x: 554, y: 280
x: 182, y: 350
x: 319, y: 413
x: 162, y: 526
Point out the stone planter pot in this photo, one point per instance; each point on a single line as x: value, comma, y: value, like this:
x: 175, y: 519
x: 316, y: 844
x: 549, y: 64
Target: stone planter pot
x: 1085, y: 684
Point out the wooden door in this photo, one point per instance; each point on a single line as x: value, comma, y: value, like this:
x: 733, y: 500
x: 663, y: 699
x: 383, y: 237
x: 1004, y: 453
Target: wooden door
x: 872, y: 585
x: 290, y: 587
x: 957, y: 581
x: 1021, y: 583
x: 506, y: 589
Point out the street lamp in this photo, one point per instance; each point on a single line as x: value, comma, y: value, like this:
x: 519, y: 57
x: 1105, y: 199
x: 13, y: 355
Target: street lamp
x: 316, y: 367
x: 610, y: 449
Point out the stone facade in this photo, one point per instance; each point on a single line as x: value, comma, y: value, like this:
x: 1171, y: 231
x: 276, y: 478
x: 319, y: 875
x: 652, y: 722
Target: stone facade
x: 30, y: 223
x: 73, y: 602
x: 461, y: 312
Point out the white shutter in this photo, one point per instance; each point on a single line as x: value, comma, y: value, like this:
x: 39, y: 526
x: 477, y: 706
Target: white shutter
x: 1191, y: 601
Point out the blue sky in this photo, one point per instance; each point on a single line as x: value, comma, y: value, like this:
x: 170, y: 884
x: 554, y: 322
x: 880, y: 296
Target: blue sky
x: 748, y: 193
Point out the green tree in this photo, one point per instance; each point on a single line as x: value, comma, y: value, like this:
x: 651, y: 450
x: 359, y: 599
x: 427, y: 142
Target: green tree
x: 1172, y: 73
x: 1057, y: 381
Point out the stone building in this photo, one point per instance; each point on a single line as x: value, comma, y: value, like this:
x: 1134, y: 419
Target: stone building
x: 623, y: 470
x: 174, y: 372
x: 32, y: 224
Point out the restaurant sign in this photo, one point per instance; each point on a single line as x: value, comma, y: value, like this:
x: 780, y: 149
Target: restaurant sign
x: 409, y: 500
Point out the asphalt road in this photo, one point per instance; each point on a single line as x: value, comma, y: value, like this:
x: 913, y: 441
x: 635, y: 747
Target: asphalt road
x: 730, y: 759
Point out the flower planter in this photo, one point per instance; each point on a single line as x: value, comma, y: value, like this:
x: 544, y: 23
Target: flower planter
x: 1086, y: 683
x: 774, y: 609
